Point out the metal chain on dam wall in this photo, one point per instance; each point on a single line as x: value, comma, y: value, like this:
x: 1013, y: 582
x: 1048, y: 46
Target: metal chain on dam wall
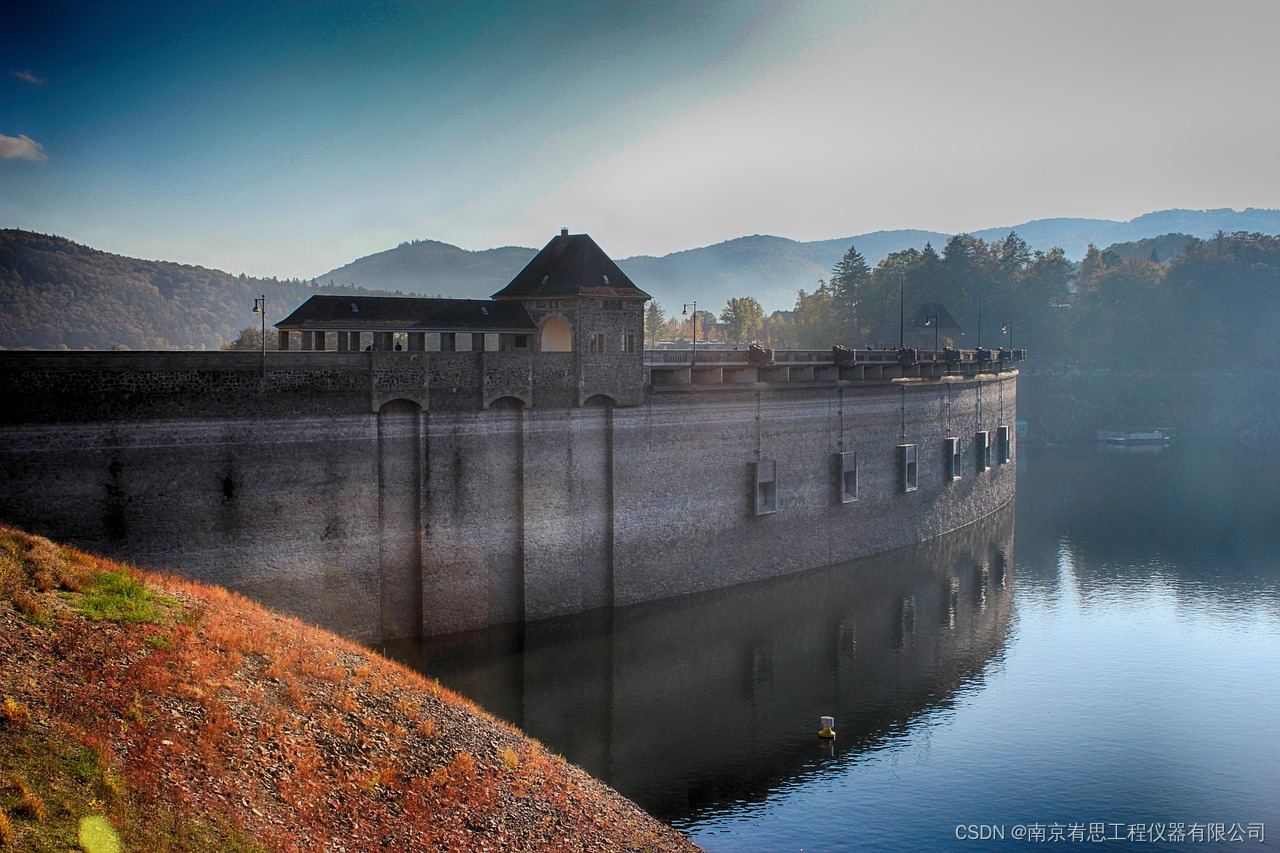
x: 381, y: 497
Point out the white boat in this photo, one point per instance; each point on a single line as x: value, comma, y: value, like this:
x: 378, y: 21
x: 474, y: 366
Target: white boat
x: 1151, y: 437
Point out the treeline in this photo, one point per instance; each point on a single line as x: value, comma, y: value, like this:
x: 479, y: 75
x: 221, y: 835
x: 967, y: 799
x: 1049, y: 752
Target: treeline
x: 983, y: 286
x: 1144, y: 303
x: 1148, y: 302
x: 56, y: 294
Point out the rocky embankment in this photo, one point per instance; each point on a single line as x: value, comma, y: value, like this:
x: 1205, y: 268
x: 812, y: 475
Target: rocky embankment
x: 151, y: 713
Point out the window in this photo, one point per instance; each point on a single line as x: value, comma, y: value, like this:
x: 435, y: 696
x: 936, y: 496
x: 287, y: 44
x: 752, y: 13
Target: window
x: 908, y: 468
x: 766, y: 477
x: 951, y: 456
x: 982, y: 450
x: 1004, y: 447
x: 846, y: 465
x: 628, y: 343
x: 597, y: 342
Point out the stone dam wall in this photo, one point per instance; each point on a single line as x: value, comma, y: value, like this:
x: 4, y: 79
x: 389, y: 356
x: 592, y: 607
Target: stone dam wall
x: 373, y: 497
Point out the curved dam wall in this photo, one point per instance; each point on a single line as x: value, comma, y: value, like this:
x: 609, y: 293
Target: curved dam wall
x: 326, y: 488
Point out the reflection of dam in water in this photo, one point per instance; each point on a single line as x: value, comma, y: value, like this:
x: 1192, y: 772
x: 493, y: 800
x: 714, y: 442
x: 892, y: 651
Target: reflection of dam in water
x: 686, y: 703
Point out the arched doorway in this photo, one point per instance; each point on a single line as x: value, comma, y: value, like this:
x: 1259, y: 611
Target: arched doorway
x: 555, y: 335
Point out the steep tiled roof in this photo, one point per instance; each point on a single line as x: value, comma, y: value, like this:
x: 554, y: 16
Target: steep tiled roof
x: 392, y: 313
x: 571, y: 265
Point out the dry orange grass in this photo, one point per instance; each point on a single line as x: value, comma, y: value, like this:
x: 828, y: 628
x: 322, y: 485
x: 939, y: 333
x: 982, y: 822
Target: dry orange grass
x: 220, y: 713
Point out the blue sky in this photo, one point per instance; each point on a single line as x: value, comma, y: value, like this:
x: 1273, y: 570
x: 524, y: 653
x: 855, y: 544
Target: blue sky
x: 285, y: 139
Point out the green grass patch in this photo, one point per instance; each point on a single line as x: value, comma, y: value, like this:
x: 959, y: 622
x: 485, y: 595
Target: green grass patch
x: 118, y: 597
x: 84, y: 765
x: 97, y: 835
x: 159, y: 641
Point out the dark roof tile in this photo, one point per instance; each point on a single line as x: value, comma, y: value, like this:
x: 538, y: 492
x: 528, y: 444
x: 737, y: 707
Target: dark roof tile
x: 390, y: 313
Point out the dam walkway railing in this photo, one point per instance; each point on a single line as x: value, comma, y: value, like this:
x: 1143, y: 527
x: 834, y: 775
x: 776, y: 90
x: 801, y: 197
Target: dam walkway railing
x: 684, y: 367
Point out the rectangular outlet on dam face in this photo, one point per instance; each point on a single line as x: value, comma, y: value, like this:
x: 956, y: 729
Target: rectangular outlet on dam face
x: 908, y: 467
x: 982, y: 450
x: 951, y: 454
x: 846, y: 469
x: 766, y: 494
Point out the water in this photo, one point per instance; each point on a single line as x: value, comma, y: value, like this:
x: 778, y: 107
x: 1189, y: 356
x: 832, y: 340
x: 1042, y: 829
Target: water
x: 1102, y: 662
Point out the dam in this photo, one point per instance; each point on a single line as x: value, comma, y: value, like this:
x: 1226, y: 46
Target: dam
x: 478, y: 463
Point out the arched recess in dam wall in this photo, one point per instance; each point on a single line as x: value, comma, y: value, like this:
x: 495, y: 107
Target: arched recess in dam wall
x: 400, y: 461
x: 370, y: 522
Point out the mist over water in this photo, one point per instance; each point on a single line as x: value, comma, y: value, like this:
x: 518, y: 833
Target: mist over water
x: 1106, y: 654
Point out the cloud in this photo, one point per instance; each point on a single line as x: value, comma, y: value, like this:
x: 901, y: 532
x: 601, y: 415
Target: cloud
x: 21, y: 147
x: 30, y: 77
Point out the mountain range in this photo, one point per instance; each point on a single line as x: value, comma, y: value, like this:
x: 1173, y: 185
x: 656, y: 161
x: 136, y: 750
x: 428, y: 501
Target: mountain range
x: 772, y: 269
x: 55, y: 293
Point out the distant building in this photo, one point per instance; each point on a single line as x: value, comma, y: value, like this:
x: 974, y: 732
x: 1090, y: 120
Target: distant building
x: 933, y: 322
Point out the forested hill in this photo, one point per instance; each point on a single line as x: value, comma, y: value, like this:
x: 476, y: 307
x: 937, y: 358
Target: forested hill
x: 432, y: 268
x: 55, y: 293
x: 58, y: 294
x: 768, y: 268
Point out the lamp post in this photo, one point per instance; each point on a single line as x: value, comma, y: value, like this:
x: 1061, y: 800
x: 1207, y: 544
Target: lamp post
x: 979, y: 322
x: 932, y: 320
x: 901, y: 312
x: 260, y: 307
x: 693, y: 359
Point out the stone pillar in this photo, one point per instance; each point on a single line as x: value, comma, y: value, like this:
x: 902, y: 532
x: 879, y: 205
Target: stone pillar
x: 477, y: 341
x: 343, y: 340
x: 321, y: 343
x: 448, y: 342
x: 284, y: 341
x: 307, y: 342
x: 417, y: 341
x: 386, y: 341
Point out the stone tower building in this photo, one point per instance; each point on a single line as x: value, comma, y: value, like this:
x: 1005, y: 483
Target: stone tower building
x: 582, y: 303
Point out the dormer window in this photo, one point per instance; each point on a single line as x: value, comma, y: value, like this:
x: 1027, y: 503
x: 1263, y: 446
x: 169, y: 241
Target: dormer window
x: 355, y: 309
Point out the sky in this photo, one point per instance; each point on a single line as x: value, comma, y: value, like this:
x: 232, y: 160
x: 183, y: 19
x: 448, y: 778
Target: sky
x: 289, y: 138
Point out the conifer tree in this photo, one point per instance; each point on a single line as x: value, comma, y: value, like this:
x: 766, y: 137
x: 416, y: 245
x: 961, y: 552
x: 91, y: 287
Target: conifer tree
x: 849, y: 277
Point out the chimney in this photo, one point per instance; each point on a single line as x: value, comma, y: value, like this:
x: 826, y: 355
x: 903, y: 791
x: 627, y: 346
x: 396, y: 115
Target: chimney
x: 564, y: 232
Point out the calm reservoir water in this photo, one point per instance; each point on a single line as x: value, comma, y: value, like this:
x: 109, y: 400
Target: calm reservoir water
x: 1096, y: 668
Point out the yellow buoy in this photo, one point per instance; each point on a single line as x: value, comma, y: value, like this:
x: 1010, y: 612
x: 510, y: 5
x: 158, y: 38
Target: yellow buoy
x: 827, y: 723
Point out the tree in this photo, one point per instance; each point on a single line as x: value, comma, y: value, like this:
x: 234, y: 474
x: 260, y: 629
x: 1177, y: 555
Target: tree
x: 744, y: 318
x: 654, y: 319
x: 697, y: 324
x: 813, y: 321
x: 250, y: 338
x: 849, y: 278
